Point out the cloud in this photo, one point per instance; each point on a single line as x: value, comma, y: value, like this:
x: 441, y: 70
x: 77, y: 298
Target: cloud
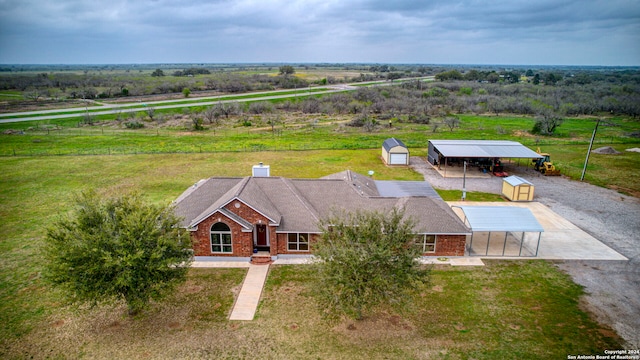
x: 467, y: 31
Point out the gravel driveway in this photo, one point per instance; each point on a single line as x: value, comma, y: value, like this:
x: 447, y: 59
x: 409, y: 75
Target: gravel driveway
x: 612, y: 287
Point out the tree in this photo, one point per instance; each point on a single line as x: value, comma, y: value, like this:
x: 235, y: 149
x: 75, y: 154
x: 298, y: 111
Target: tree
x: 493, y: 77
x: 186, y: 92
x: 117, y: 248
x: 547, y: 121
x: 452, y: 122
x: 157, y: 73
x: 287, y: 70
x: 212, y: 114
x: 536, y: 79
x: 449, y: 75
x: 32, y: 94
x: 151, y: 111
x: 366, y: 259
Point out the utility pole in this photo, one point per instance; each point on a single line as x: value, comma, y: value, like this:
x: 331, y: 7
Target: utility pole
x: 586, y: 161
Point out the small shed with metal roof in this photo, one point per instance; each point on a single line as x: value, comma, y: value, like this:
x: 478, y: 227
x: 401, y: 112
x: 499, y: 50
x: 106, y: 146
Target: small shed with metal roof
x: 395, y: 152
x: 516, y: 188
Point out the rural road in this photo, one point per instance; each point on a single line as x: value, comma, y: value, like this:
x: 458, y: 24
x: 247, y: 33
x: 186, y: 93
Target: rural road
x: 111, y: 109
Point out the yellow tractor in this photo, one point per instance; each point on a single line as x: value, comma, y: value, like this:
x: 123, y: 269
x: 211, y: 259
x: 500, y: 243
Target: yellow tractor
x: 544, y: 165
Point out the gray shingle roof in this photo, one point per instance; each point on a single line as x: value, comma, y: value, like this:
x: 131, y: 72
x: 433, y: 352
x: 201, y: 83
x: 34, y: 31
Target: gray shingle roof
x: 296, y: 205
x: 390, y: 143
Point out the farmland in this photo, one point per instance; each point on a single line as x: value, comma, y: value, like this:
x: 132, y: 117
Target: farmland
x: 490, y: 312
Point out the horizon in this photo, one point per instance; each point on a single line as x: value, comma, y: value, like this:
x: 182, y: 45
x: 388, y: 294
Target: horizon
x: 320, y: 64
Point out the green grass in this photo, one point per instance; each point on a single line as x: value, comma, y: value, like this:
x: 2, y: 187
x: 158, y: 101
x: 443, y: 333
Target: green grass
x: 567, y: 149
x: 35, y: 190
x: 456, y: 195
x: 518, y: 309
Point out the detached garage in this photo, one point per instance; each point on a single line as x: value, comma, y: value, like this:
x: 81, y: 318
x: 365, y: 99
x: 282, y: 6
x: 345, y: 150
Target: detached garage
x: 395, y: 152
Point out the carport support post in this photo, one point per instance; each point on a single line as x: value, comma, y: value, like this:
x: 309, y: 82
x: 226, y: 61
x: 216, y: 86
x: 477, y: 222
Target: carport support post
x: 521, y: 243
x: 504, y: 246
x: 486, y: 253
x: 538, y: 246
x: 464, y: 182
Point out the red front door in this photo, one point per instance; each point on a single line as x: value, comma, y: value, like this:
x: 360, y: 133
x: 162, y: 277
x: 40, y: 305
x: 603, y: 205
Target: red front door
x: 261, y: 235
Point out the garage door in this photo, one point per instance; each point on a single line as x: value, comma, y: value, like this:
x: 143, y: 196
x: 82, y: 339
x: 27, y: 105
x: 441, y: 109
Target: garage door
x: 398, y: 159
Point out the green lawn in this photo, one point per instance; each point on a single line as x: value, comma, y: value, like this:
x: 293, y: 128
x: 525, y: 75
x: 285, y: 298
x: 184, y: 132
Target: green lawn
x: 567, y: 148
x: 35, y: 190
x: 507, y: 309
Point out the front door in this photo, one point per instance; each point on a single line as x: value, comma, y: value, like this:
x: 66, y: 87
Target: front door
x: 261, y: 235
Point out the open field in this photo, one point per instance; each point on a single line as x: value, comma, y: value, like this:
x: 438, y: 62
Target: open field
x: 540, y: 321
x: 567, y: 147
x: 526, y: 310
x: 36, y: 190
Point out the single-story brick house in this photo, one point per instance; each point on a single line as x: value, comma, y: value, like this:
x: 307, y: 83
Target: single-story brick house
x: 230, y: 217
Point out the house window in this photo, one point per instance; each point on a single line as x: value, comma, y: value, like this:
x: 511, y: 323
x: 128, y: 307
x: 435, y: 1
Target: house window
x: 298, y: 242
x: 221, y: 238
x: 426, y: 243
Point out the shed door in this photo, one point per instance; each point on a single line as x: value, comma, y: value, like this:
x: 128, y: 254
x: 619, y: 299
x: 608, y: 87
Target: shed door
x: 523, y: 192
x: 398, y: 159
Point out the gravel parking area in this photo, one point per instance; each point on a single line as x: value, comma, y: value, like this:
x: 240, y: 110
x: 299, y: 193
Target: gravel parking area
x: 612, y: 287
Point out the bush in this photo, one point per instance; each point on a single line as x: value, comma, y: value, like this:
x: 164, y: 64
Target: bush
x: 133, y: 124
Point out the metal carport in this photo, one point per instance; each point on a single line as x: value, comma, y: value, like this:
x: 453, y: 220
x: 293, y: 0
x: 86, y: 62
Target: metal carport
x: 488, y: 221
x: 443, y: 152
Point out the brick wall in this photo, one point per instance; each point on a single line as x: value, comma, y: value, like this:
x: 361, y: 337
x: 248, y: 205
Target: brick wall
x: 253, y: 217
x: 449, y: 245
x: 283, y: 247
x: 242, y: 241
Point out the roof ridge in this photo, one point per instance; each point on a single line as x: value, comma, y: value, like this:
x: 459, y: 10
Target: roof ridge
x: 243, y: 184
x: 301, y: 198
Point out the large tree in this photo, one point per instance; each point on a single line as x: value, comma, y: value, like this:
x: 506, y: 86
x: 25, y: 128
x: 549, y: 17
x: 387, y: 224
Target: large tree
x: 366, y: 259
x: 117, y: 248
x: 287, y: 70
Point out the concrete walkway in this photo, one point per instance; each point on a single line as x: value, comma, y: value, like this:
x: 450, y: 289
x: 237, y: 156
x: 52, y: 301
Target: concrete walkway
x: 247, y: 302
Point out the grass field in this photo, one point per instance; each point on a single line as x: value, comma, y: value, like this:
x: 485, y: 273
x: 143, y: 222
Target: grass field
x: 567, y: 148
x: 34, y: 190
x: 524, y: 310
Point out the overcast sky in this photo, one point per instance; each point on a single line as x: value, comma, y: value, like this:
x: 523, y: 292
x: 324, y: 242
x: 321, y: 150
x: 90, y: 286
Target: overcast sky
x: 517, y: 32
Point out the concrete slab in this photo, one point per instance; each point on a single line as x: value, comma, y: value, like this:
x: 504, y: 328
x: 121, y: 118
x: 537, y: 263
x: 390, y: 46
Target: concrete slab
x: 294, y: 261
x: 247, y: 302
x: 455, y: 171
x: 467, y: 261
x: 561, y: 240
x: 220, y: 264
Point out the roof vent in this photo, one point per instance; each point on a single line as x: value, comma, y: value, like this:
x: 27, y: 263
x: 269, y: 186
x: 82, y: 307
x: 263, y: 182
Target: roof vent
x: 260, y: 170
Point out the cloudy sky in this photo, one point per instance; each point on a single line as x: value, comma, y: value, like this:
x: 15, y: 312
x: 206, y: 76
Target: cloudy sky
x: 518, y: 32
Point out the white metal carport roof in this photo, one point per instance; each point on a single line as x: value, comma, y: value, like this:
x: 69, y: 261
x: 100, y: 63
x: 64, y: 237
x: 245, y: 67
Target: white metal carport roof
x: 483, y: 149
x: 500, y: 218
x: 507, y: 219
